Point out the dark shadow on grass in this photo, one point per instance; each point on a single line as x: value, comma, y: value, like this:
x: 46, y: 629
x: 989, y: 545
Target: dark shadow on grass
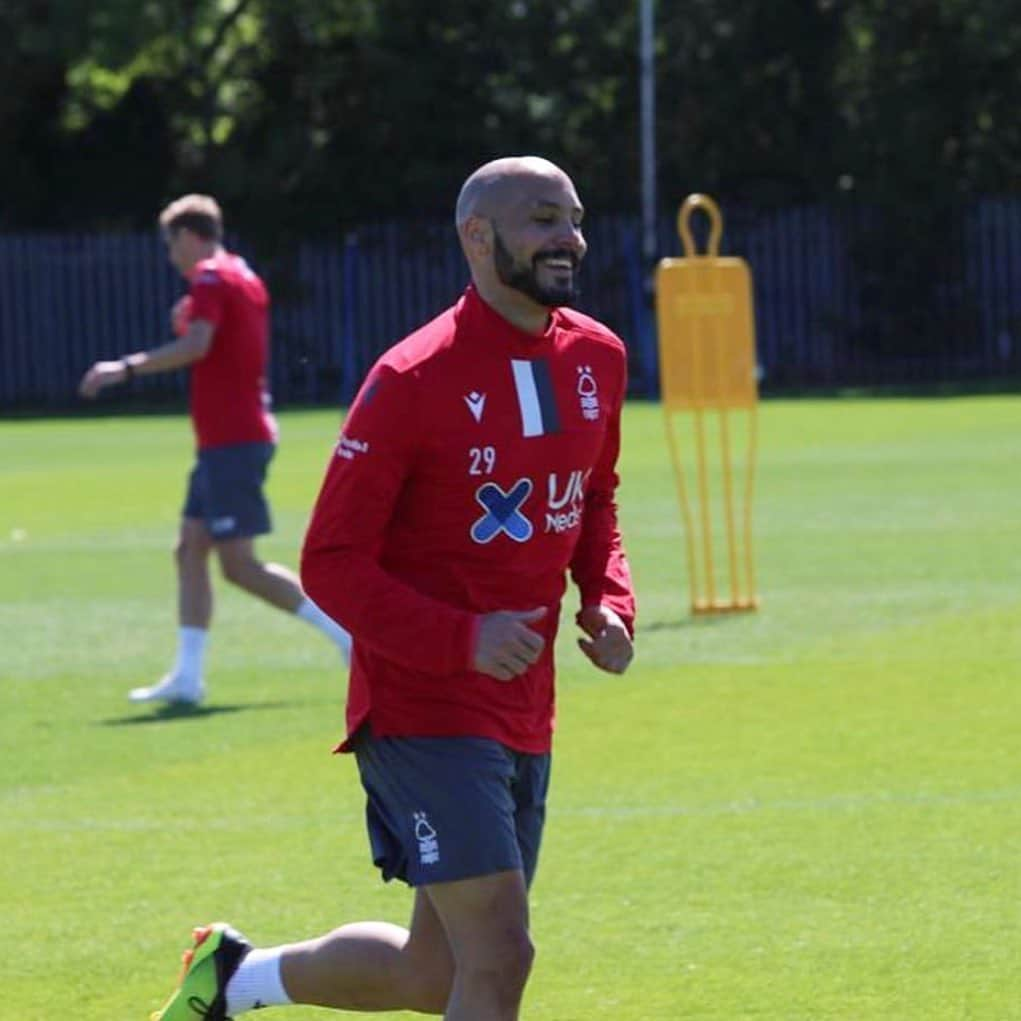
x: 664, y: 625
x: 690, y: 621
x: 183, y: 711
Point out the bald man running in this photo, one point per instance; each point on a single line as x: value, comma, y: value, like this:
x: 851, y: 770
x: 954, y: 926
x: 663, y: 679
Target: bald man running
x: 475, y: 471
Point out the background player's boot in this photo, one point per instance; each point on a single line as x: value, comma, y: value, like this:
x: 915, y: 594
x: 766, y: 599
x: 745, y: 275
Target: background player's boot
x: 171, y: 688
x: 208, y: 966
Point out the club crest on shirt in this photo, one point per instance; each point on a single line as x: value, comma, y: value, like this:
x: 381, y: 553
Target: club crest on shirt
x: 588, y: 393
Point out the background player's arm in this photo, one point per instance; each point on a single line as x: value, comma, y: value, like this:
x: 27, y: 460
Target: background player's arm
x: 173, y: 355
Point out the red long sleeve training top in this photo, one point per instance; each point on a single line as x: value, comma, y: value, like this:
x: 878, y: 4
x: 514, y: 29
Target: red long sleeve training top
x: 475, y: 468
x: 229, y: 397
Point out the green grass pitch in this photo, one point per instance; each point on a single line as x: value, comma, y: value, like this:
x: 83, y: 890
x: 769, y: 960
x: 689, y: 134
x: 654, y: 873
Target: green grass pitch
x: 810, y: 813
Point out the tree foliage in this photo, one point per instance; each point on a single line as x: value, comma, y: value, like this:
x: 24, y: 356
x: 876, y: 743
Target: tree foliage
x: 311, y: 115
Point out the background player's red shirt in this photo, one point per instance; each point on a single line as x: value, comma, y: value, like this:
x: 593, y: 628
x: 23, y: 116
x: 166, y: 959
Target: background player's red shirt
x: 476, y: 467
x: 228, y: 394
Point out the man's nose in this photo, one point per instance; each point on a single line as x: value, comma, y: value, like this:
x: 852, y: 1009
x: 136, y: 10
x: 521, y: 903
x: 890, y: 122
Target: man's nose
x: 574, y: 239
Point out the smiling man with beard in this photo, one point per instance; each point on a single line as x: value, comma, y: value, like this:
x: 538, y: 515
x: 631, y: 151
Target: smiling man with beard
x: 475, y: 471
x: 521, y: 218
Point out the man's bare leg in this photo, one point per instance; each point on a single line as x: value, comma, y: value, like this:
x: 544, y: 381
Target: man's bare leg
x: 183, y: 682
x: 194, y: 588
x: 374, y: 966
x: 273, y: 583
x: 277, y: 585
x: 486, y: 922
x: 466, y: 955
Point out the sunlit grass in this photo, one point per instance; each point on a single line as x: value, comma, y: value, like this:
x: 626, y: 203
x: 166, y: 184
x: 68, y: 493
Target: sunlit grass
x: 809, y: 813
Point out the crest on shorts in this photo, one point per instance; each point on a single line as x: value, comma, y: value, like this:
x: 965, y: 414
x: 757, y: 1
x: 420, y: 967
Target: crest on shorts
x: 428, y: 844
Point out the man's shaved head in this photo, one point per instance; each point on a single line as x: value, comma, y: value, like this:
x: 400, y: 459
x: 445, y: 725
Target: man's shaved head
x: 489, y: 190
x: 519, y: 223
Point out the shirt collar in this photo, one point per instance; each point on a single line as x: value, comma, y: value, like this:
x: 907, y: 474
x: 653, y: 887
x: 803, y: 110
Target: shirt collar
x: 482, y: 316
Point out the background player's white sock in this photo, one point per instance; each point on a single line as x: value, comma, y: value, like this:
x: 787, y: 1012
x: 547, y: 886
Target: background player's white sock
x: 310, y: 612
x: 191, y: 648
x: 256, y: 983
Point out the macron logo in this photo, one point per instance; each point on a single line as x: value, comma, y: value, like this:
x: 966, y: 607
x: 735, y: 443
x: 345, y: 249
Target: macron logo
x: 476, y: 402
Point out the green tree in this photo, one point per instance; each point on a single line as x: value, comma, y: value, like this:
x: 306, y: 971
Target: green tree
x: 312, y: 115
x: 746, y: 99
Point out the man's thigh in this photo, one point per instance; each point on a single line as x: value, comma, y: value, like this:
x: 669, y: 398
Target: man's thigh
x: 482, y: 915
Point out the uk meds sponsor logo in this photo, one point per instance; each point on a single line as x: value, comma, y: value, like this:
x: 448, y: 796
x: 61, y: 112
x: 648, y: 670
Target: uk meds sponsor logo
x: 505, y: 509
x: 565, y: 501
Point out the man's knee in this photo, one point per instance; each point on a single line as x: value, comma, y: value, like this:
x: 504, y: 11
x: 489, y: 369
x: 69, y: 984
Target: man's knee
x: 497, y: 971
x: 508, y: 953
x: 498, y: 959
x: 190, y: 551
x: 498, y: 966
x: 238, y: 569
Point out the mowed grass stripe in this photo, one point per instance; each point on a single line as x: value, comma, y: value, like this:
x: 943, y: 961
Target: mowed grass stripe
x: 811, y: 813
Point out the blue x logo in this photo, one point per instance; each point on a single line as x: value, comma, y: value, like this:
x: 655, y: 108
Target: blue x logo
x: 502, y: 513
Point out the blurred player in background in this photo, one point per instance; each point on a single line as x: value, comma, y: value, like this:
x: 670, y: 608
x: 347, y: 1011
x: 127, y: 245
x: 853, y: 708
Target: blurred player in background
x: 476, y: 468
x: 222, y: 327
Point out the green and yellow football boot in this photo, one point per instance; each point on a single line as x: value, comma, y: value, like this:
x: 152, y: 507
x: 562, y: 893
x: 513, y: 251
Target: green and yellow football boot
x: 208, y: 966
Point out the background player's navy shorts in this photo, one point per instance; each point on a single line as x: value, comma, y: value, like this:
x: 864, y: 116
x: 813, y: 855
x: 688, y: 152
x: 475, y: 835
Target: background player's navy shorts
x: 446, y: 808
x: 225, y: 490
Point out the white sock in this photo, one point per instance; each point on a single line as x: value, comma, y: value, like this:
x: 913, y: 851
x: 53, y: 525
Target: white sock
x: 256, y: 983
x: 191, y: 647
x: 310, y: 612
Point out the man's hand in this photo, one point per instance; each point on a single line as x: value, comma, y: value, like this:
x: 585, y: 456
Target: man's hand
x: 506, y: 646
x: 102, y: 374
x: 608, y: 645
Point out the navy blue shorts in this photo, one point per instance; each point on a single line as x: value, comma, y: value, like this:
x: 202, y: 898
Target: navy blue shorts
x: 225, y: 490
x: 447, y: 808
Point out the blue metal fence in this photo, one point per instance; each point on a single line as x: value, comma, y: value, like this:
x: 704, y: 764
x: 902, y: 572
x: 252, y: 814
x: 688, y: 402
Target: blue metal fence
x: 823, y: 317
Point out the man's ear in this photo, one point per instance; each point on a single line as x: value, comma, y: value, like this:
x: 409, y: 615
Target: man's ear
x: 477, y: 233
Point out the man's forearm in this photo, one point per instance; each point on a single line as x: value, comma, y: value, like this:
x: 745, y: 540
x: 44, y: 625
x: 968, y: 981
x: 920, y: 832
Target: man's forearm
x: 175, y: 354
